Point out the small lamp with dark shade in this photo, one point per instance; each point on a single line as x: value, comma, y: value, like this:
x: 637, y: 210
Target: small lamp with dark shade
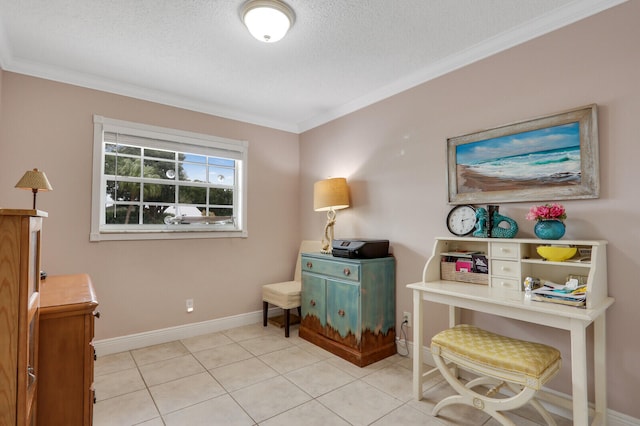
x: 35, y: 180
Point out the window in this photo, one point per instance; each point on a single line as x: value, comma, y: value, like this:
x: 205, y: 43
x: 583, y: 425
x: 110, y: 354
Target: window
x: 155, y: 183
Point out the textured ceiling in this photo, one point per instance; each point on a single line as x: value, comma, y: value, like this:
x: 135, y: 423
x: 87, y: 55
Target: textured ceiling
x: 339, y: 56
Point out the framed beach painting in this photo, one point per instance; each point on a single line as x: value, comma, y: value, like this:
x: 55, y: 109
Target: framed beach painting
x: 542, y: 159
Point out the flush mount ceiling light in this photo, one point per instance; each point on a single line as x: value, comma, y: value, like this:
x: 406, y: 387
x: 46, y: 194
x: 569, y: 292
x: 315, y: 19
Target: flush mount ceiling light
x: 267, y: 20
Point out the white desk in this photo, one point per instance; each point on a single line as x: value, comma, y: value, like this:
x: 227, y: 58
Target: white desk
x: 512, y: 304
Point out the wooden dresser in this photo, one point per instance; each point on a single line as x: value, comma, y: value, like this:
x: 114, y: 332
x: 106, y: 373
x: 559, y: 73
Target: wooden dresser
x: 348, y: 306
x: 66, y: 353
x: 20, y: 235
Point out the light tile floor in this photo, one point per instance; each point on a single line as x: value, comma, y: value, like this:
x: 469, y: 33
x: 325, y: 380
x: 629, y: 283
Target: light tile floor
x: 253, y: 375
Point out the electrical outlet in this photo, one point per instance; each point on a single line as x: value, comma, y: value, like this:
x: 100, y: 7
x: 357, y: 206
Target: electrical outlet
x: 407, y: 317
x: 189, y: 305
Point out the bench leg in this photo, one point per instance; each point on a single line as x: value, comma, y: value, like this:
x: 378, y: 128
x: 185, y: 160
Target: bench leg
x: 287, y: 321
x: 265, y: 308
x: 467, y: 396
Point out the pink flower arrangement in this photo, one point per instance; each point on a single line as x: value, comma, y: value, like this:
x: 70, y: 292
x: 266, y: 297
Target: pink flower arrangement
x: 547, y: 212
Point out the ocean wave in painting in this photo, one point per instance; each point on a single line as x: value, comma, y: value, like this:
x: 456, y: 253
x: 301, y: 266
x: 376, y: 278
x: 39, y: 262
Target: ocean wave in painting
x: 558, y: 165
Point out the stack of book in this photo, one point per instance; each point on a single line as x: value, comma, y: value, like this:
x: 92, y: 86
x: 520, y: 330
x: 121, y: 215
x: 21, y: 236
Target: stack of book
x: 562, y: 294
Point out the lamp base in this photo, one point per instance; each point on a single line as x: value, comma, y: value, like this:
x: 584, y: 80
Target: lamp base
x: 327, y: 239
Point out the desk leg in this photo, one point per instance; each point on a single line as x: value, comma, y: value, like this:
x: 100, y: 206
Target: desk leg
x: 579, y: 373
x: 600, y: 368
x: 418, y: 338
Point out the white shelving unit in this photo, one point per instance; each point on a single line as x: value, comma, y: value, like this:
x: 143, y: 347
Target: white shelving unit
x: 510, y: 261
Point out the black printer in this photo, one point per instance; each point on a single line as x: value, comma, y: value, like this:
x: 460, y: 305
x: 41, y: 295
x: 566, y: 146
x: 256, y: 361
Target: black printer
x: 360, y: 248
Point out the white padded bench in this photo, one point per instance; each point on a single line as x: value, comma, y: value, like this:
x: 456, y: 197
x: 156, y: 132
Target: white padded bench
x: 287, y: 294
x: 521, y: 366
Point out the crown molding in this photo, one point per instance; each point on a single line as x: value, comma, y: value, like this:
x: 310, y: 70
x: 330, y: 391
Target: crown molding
x: 559, y: 18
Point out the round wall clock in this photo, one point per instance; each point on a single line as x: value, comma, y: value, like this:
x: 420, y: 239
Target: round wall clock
x: 461, y: 220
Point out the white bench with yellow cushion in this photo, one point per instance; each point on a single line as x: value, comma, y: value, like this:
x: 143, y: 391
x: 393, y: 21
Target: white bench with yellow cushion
x: 521, y: 366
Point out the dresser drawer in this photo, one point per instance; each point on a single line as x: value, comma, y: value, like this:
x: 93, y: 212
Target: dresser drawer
x: 505, y: 268
x: 507, y: 283
x: 332, y: 268
x: 505, y: 250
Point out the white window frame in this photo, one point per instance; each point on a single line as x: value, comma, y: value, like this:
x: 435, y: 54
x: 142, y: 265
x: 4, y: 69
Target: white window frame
x: 177, y: 140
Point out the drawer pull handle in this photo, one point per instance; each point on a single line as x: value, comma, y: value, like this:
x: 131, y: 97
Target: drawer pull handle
x: 95, y: 355
x: 347, y: 271
x: 96, y: 314
x: 309, y: 265
x: 505, y: 269
x: 312, y: 302
x: 341, y: 312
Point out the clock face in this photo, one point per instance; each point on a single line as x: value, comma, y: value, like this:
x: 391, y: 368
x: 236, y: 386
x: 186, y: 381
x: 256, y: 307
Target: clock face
x: 461, y: 220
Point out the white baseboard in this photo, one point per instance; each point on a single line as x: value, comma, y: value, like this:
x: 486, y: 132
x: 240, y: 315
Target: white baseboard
x: 614, y: 418
x: 155, y: 337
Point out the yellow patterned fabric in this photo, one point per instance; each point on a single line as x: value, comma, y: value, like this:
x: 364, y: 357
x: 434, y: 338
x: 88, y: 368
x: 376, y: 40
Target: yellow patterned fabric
x: 498, y: 353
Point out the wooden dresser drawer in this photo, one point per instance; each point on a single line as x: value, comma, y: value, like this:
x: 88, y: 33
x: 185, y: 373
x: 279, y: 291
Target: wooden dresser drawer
x: 505, y: 250
x: 332, y: 268
x: 66, y: 353
x: 505, y: 268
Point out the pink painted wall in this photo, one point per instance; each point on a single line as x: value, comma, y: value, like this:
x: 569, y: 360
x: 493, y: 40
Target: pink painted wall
x: 393, y: 155
x: 142, y: 285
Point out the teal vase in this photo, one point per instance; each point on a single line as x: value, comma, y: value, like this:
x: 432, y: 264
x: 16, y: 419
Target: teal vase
x: 549, y: 229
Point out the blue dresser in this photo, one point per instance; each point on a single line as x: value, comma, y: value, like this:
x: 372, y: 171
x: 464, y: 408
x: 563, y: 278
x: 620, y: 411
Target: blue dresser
x: 348, y: 306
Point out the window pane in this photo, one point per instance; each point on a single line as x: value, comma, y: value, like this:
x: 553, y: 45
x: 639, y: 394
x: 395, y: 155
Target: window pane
x: 223, y: 197
x: 192, y: 195
x: 159, y: 193
x: 159, y: 169
x: 123, y: 191
x: 126, y: 166
x: 221, y: 175
x: 221, y: 162
x: 153, y: 214
x: 184, y: 211
x: 109, y: 165
x: 121, y: 215
x: 159, y: 154
x: 221, y: 212
x: 123, y: 149
x: 193, y: 158
x: 193, y: 172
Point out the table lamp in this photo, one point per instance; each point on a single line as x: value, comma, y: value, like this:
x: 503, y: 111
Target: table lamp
x: 35, y: 180
x: 330, y: 195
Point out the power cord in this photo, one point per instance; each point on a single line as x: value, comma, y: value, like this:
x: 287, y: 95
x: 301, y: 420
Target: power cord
x: 404, y: 334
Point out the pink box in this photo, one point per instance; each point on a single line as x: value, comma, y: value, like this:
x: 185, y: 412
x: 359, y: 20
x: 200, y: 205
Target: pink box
x: 464, y: 265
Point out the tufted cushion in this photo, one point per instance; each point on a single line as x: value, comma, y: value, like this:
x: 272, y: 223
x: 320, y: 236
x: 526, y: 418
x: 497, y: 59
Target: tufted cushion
x: 527, y: 363
x: 285, y: 295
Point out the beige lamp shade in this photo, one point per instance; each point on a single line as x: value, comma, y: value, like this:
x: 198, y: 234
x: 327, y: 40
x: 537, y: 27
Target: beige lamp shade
x: 330, y: 194
x: 35, y: 180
